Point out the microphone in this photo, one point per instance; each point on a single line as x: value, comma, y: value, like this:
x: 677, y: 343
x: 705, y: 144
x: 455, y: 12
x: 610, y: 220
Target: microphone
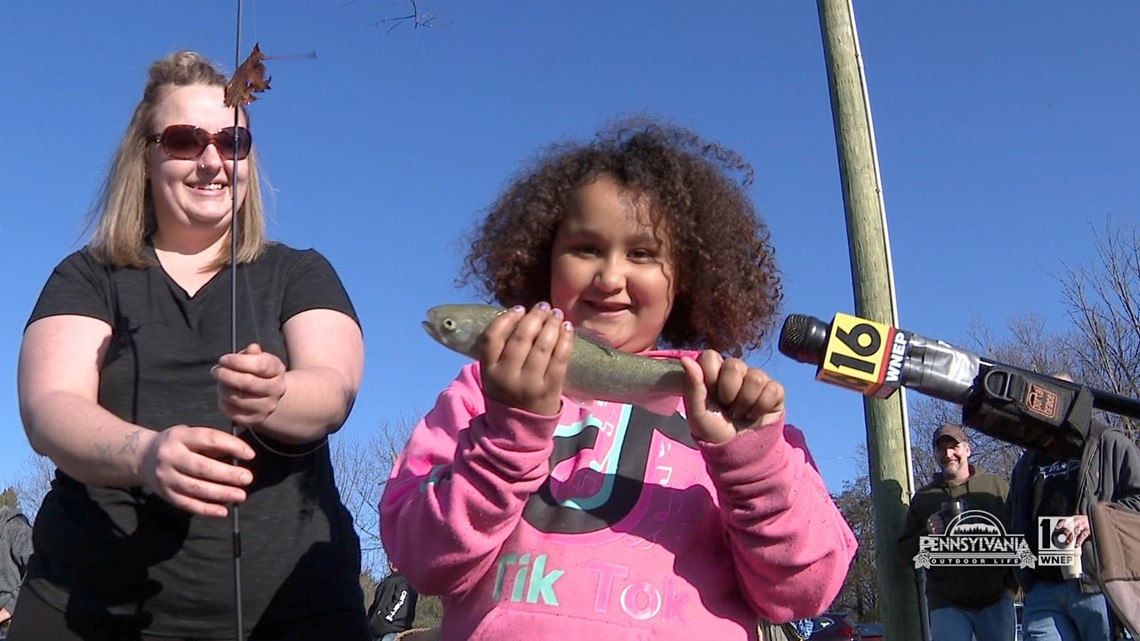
x: 876, y: 359
x: 1009, y: 403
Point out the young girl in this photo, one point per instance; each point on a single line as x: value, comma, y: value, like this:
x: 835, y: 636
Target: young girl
x: 539, y: 516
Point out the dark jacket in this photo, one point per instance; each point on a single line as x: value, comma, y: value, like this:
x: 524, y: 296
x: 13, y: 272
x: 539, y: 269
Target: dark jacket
x: 966, y: 587
x: 15, y: 550
x: 394, y: 607
x: 1109, y: 471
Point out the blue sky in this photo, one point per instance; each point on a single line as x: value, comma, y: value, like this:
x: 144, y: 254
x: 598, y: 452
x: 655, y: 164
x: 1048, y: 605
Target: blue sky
x: 1007, y: 134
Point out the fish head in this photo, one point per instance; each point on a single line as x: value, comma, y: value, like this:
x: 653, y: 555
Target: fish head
x: 458, y: 327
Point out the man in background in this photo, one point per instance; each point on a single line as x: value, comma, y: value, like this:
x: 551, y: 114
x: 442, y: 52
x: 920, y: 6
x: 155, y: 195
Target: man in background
x: 393, y: 609
x: 1062, y: 490
x: 965, y: 602
x: 15, y: 550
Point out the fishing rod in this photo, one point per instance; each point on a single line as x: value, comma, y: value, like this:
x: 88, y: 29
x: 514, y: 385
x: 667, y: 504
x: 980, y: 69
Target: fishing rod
x: 235, y: 518
x: 248, y: 78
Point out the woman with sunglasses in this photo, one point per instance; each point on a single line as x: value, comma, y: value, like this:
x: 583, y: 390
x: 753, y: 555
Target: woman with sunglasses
x: 127, y: 381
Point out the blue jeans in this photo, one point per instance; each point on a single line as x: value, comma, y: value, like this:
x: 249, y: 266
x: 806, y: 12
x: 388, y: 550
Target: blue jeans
x: 1059, y: 611
x: 995, y: 622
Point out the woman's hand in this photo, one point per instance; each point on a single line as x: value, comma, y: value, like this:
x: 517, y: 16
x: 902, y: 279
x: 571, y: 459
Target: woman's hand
x: 250, y: 385
x: 524, y: 358
x: 725, y: 396
x: 184, y: 465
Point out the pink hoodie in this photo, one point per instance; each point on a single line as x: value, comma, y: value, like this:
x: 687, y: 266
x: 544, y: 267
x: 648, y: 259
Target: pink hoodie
x: 608, y: 521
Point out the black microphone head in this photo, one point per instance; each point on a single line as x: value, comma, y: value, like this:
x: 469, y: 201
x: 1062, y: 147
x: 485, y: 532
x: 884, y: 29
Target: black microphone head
x: 804, y: 338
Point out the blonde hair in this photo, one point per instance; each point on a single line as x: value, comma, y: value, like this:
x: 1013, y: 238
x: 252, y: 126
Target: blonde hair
x: 125, y: 206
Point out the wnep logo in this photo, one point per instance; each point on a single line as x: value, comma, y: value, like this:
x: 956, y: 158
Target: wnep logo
x: 973, y: 538
x: 1056, y: 541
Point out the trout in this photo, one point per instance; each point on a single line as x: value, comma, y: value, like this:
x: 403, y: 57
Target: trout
x: 596, y: 371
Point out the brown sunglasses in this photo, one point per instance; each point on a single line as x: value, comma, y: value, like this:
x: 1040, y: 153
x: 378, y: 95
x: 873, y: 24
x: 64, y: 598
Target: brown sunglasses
x: 187, y: 142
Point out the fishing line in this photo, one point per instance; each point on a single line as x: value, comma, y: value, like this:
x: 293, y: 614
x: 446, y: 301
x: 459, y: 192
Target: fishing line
x: 257, y: 338
x: 234, y: 266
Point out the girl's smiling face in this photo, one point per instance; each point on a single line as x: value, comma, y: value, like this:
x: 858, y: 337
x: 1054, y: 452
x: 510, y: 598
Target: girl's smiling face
x: 610, y: 273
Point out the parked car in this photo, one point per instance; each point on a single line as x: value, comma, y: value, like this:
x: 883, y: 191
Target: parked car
x: 870, y: 631
x: 834, y: 626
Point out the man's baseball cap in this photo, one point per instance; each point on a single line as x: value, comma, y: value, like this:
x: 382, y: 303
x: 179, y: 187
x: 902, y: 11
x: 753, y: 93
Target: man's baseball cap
x: 949, y: 429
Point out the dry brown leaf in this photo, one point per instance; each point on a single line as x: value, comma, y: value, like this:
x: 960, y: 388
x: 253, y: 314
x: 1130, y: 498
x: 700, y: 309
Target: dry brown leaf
x: 249, y: 78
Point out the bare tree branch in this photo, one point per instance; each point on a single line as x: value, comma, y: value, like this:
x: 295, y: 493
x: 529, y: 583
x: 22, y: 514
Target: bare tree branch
x: 1103, y: 304
x: 362, y: 465
x: 417, y: 19
x: 33, y: 484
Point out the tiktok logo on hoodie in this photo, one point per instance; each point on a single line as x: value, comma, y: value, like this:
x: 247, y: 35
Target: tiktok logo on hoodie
x: 538, y: 586
x: 532, y: 582
x: 617, y: 487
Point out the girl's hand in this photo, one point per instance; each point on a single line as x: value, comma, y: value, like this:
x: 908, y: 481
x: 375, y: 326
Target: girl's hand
x: 524, y: 358
x: 250, y: 385
x: 725, y: 396
x: 182, y: 465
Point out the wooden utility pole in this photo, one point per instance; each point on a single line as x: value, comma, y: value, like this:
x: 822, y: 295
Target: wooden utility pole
x: 888, y: 446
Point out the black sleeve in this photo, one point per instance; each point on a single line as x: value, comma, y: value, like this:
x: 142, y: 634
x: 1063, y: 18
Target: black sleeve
x: 20, y: 541
x: 912, y: 530
x: 408, y: 617
x: 1125, y: 461
x: 78, y: 286
x: 314, y: 284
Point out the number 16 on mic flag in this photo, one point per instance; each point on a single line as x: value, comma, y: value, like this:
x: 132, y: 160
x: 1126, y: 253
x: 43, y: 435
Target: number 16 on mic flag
x: 875, y: 359
x: 863, y: 355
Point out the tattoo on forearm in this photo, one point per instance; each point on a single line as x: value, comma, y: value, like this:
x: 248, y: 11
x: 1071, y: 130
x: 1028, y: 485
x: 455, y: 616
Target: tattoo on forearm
x: 130, y: 442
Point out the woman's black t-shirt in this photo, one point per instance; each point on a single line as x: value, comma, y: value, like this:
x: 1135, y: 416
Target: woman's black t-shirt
x: 127, y: 558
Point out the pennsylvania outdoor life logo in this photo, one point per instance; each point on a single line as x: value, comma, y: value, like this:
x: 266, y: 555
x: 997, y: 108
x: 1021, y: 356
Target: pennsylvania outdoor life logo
x: 972, y: 538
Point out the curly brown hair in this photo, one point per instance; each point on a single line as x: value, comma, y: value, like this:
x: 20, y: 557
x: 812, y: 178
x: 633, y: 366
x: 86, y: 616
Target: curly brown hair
x: 727, y: 285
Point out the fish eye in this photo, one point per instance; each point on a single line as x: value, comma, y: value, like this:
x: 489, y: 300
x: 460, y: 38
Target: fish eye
x: 449, y: 324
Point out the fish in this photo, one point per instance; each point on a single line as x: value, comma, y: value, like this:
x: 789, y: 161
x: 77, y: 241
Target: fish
x: 596, y: 371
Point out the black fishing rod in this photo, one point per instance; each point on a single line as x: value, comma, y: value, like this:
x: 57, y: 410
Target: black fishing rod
x: 235, y: 518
